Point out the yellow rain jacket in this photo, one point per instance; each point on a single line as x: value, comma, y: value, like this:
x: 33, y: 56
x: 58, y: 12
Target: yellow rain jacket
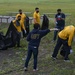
x: 20, y: 26
x: 37, y: 17
x: 67, y: 33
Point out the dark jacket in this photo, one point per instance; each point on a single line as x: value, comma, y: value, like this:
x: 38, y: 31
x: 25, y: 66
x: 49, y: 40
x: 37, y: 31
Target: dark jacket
x: 8, y: 40
x: 35, y: 36
x: 59, y: 21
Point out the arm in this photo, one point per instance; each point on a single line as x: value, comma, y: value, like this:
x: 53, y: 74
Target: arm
x: 29, y: 37
x: 55, y: 19
x: 52, y: 29
x: 23, y: 27
x: 70, y: 39
x: 24, y: 16
x: 34, y: 18
x: 45, y: 32
x: 63, y: 17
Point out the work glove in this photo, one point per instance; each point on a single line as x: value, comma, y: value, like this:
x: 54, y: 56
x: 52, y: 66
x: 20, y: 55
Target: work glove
x: 71, y: 51
x: 25, y: 31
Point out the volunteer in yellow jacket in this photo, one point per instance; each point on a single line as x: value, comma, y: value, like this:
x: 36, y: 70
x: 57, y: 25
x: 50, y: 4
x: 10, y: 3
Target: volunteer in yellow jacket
x: 65, y: 37
x: 18, y: 23
x: 36, y: 16
x: 23, y: 16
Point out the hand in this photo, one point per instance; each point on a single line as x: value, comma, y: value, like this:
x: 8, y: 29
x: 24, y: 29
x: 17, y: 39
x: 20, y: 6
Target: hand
x: 56, y: 22
x: 52, y: 29
x: 25, y: 31
x: 71, y: 51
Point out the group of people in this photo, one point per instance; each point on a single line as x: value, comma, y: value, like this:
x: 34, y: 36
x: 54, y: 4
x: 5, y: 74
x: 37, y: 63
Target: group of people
x: 65, y: 35
x: 19, y: 23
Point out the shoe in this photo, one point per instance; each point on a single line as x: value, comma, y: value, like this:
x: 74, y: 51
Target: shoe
x: 35, y: 69
x: 67, y: 60
x: 25, y: 69
x: 54, y: 58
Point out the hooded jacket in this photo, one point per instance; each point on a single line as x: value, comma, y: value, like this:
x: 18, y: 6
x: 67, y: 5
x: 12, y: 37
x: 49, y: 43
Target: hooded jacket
x: 35, y: 36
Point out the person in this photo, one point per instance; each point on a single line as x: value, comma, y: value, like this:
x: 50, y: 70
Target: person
x: 18, y: 24
x: 60, y: 22
x: 23, y: 18
x: 27, y: 25
x: 36, y: 16
x: 34, y: 38
x: 64, y: 38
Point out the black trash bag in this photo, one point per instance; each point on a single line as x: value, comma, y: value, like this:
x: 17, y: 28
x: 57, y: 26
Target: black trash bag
x: 63, y: 51
x: 2, y: 44
x: 9, y: 40
x: 27, y: 25
x: 45, y: 23
x: 1, y: 36
x: 11, y: 36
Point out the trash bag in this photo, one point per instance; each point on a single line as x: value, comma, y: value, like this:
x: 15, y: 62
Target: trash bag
x: 2, y: 44
x: 27, y: 25
x: 8, y: 40
x: 63, y: 51
x: 45, y: 22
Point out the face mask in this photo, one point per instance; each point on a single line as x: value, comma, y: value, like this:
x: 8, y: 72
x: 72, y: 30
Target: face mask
x: 37, y: 11
x: 20, y: 12
x: 59, y: 13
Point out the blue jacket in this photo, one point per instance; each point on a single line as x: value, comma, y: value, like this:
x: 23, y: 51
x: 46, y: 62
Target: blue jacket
x: 35, y: 36
x: 59, y: 22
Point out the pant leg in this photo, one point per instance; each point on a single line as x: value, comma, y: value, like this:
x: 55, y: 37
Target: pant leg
x: 67, y: 49
x: 55, y: 35
x: 67, y: 54
x: 35, y: 55
x: 28, y: 56
x: 27, y: 29
x: 55, y: 32
x: 18, y: 38
x: 56, y: 49
x: 62, y: 51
